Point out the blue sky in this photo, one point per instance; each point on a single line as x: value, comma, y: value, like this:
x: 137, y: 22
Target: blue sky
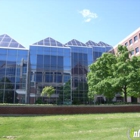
x: 29, y: 21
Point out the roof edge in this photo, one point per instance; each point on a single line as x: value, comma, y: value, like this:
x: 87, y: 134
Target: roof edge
x: 127, y: 37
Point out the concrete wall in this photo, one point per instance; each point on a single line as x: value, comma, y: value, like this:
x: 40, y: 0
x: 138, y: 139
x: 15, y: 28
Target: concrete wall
x: 68, y: 109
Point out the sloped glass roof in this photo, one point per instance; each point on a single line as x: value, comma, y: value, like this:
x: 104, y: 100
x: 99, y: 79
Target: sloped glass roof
x: 7, y: 41
x: 91, y: 43
x: 103, y: 44
x: 75, y: 42
x: 48, y: 42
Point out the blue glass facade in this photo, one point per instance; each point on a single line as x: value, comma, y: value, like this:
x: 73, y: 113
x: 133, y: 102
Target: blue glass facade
x: 81, y: 58
x: 98, y: 51
x: 13, y: 75
x: 24, y: 73
x: 50, y: 66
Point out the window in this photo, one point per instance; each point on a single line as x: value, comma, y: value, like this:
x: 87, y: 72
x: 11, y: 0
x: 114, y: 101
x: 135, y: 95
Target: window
x: 137, y: 50
x: 38, y: 77
x: 49, y: 77
x: 130, y: 41
x: 40, y: 62
x: 66, y: 77
x: 60, y: 63
x: 58, y: 77
x: 135, y: 38
x: 126, y: 44
x: 47, y: 62
x: 132, y: 52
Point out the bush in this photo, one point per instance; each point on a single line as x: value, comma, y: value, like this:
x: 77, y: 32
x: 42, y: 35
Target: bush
x: 39, y: 101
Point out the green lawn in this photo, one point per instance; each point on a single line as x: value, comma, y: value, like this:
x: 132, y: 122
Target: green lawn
x: 69, y: 127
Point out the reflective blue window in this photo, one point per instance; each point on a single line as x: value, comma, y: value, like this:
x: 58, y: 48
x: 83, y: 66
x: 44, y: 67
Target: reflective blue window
x: 54, y: 53
x: 22, y: 52
x: 53, y: 61
x: 60, y: 51
x: 33, y: 59
x: 40, y: 62
x: 47, y: 62
x: 21, y: 58
x: 84, y: 50
x: 18, y: 79
x: 60, y: 62
x: 2, y: 57
x: 46, y: 49
x: 66, y: 52
x: 33, y: 50
x: 40, y: 50
x: 38, y: 77
x: 58, y: 77
x: 66, y: 77
x: 67, y: 61
x: 3, y: 51
x: 33, y: 67
x: 11, y: 58
x: 49, y: 77
x: 12, y: 52
x: 53, y: 49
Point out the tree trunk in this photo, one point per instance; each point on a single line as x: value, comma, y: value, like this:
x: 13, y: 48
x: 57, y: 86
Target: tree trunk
x: 125, y: 94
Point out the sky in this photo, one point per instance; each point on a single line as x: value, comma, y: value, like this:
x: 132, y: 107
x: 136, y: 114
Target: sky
x: 29, y: 21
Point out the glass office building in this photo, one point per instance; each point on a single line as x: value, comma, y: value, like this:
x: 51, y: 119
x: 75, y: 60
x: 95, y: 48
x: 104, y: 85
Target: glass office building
x: 49, y: 66
x: 13, y: 71
x: 24, y: 73
x: 63, y: 66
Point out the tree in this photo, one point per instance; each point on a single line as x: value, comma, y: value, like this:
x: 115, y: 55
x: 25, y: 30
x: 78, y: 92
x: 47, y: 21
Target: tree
x: 100, y: 75
x: 127, y: 73
x: 112, y: 74
x: 48, y: 91
x: 65, y: 93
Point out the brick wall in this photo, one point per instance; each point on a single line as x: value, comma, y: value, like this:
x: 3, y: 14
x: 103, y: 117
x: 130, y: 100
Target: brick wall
x: 67, y: 109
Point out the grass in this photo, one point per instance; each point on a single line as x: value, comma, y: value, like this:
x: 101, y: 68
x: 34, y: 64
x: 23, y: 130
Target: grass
x: 69, y: 127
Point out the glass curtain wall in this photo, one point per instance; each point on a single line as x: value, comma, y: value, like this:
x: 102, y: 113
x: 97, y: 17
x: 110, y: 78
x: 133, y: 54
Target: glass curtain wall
x: 50, y: 66
x: 81, y: 58
x: 13, y: 75
x: 99, y: 50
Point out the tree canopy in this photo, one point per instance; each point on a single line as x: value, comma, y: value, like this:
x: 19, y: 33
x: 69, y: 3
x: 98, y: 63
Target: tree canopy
x: 112, y: 74
x: 48, y: 91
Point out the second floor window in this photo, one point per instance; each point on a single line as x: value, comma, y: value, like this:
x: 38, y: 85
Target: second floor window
x: 137, y: 49
x: 132, y: 52
x: 130, y: 41
x: 126, y: 44
x: 135, y: 38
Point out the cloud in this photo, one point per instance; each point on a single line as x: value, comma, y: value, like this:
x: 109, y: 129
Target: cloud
x: 88, y: 16
x: 88, y: 20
